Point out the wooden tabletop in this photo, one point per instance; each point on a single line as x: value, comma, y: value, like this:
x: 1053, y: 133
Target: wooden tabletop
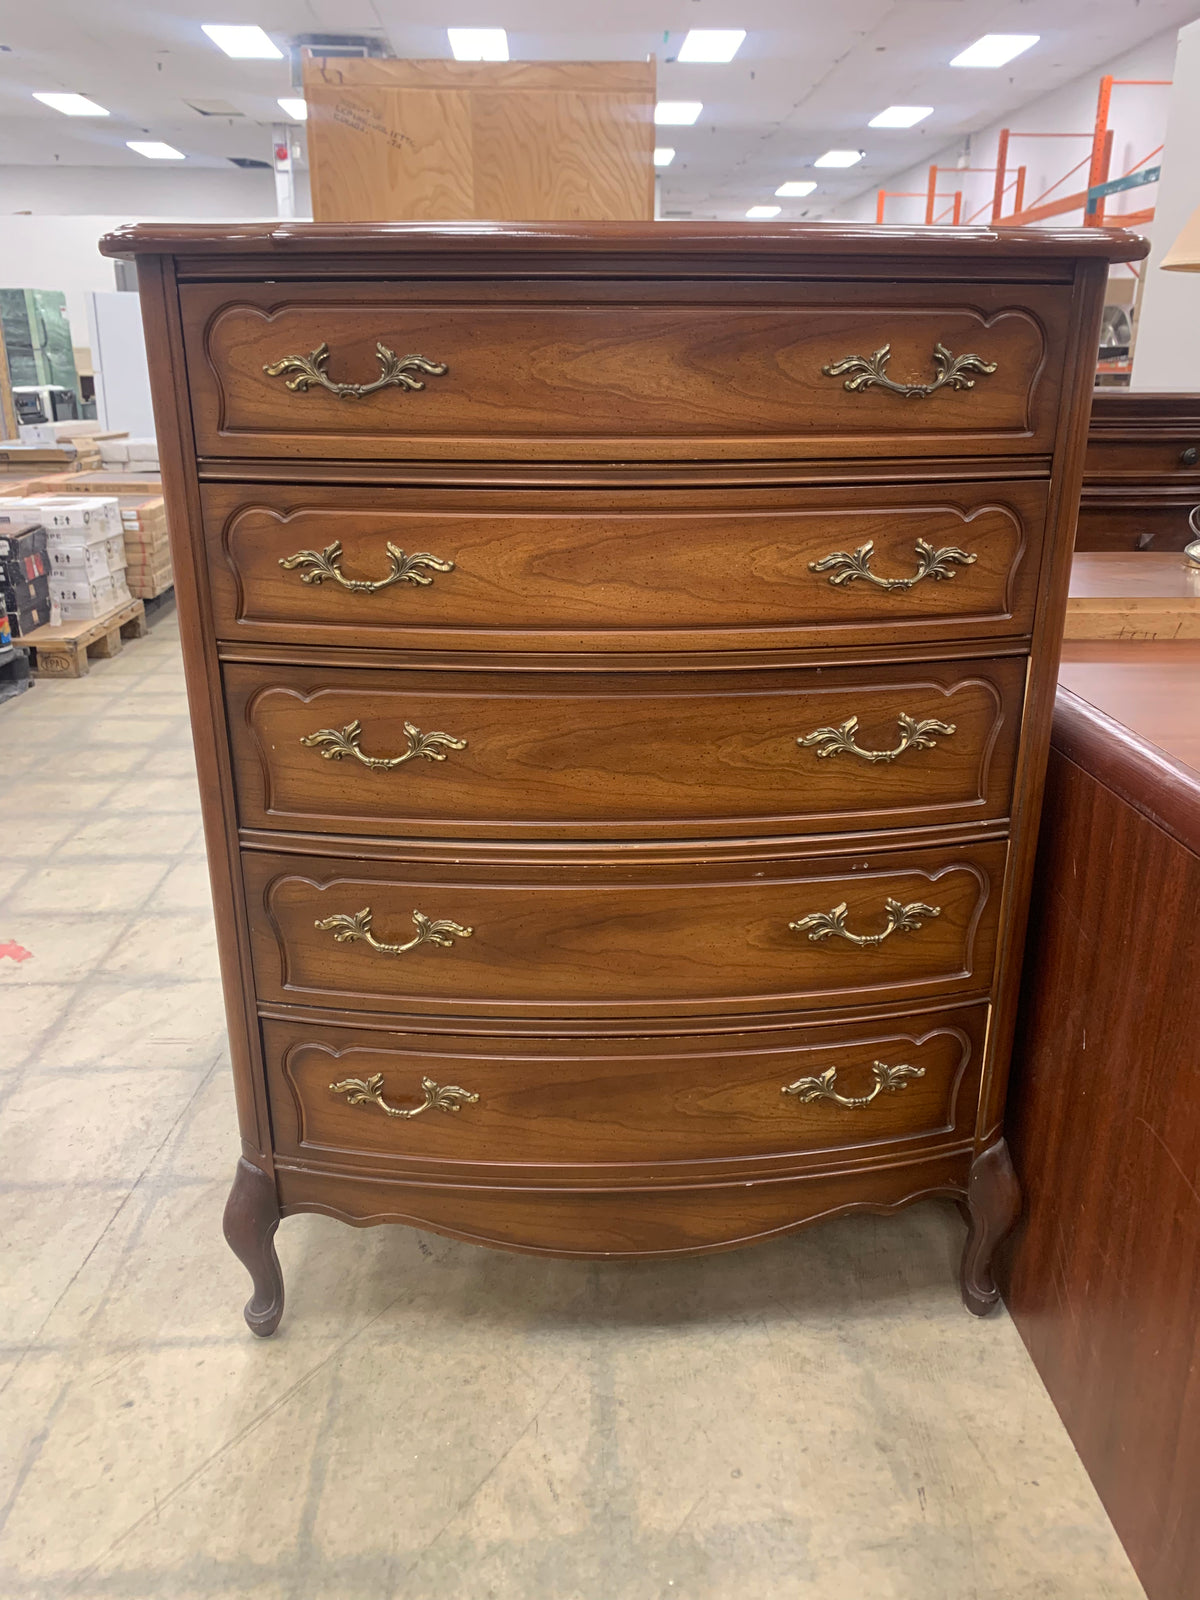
x: 1151, y: 688
x: 1129, y: 712
x: 1133, y: 594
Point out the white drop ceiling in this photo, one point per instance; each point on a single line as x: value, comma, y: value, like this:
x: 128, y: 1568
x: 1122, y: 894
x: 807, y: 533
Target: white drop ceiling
x: 808, y: 77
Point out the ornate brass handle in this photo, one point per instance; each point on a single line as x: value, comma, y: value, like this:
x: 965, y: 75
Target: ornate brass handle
x: 347, y: 929
x: 914, y: 735
x: 950, y: 372
x: 931, y: 563
x: 317, y: 565
x: 339, y: 742
x: 395, y: 372
x: 900, y: 919
x: 888, y: 1080
x: 437, y: 1096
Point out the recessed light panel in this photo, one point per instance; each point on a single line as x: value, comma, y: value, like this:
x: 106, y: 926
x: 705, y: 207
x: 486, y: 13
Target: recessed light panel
x: 242, y: 41
x: 900, y: 117
x: 154, y: 150
x: 72, y: 105
x: 763, y: 213
x: 995, y: 49
x: 677, y: 113
x: 839, y: 158
x: 296, y: 109
x: 795, y: 190
x: 711, y: 44
x: 663, y: 155
x: 478, y: 44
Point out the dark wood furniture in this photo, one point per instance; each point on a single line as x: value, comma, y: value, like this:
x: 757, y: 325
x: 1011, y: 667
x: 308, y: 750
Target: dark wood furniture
x: 1141, y: 476
x: 621, y: 661
x: 1104, y: 1277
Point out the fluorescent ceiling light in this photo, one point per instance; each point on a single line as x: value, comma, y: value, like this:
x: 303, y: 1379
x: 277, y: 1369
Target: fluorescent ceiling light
x: 154, y: 150
x: 839, y: 158
x: 795, y: 190
x: 677, y: 113
x: 663, y: 155
x: 995, y: 49
x: 296, y: 109
x: 72, y: 105
x: 761, y: 213
x: 242, y: 41
x: 478, y: 44
x: 711, y: 44
x: 900, y: 117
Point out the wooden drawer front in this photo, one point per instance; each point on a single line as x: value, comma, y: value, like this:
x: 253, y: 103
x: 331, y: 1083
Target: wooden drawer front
x: 635, y: 569
x: 557, y: 938
x: 511, y: 755
x: 1145, y: 519
x: 1144, y: 459
x: 633, y: 371
x: 619, y: 1102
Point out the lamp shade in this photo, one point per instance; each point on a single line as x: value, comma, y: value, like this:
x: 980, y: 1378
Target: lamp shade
x: 1184, y: 254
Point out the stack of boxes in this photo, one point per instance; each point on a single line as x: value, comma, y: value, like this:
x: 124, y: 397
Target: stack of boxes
x: 129, y: 455
x: 23, y: 458
x: 85, y: 547
x: 147, y: 548
x: 25, y: 573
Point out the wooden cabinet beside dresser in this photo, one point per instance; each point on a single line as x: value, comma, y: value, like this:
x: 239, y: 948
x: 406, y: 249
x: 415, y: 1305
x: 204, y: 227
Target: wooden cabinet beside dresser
x: 621, y: 661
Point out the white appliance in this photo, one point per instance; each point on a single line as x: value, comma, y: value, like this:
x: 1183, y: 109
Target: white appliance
x: 119, y: 362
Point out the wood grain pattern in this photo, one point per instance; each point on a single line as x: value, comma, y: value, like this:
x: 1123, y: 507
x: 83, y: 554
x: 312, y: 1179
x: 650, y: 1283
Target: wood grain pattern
x: 659, y: 1221
x: 627, y: 570
x: 620, y: 756
x: 1104, y: 1280
x: 519, y: 141
x: 624, y: 1110
x: 638, y: 371
x: 633, y: 447
x: 554, y: 940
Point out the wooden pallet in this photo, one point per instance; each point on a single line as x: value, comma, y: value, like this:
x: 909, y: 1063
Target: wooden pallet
x: 63, y: 652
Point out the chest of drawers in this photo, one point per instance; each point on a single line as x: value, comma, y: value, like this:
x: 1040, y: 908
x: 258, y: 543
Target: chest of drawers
x: 621, y: 662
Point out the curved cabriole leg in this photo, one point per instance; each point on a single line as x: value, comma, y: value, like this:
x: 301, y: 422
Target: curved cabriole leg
x: 251, y: 1217
x: 993, y: 1202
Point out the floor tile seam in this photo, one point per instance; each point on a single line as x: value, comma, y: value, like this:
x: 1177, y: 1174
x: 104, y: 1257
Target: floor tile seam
x: 126, y: 1198
x: 167, y: 1495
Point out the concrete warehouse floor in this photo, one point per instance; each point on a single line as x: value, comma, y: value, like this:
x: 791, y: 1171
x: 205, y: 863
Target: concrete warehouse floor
x: 817, y: 1418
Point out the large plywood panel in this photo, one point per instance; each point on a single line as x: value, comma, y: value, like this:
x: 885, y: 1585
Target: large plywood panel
x: 509, y: 141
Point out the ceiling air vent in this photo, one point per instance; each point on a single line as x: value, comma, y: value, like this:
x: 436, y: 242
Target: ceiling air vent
x: 247, y: 161
x: 356, y: 45
x: 214, y: 108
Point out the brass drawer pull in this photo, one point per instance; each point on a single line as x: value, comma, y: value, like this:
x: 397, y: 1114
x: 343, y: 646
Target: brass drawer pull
x: 395, y: 372
x: 900, y: 919
x: 437, y: 1096
x: 888, y: 1080
x: 869, y: 372
x: 339, y: 742
x: 914, y: 735
x: 347, y: 929
x: 931, y: 563
x: 318, y: 565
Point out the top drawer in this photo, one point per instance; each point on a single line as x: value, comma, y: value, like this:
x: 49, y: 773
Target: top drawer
x: 623, y: 371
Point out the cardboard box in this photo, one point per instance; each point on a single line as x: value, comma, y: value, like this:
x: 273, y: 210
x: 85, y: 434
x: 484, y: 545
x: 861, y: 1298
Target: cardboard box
x: 80, y: 563
x: 21, y: 540
x: 20, y: 596
x: 22, y: 622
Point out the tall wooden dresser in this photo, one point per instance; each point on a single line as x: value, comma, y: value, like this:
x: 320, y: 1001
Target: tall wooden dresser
x: 621, y: 661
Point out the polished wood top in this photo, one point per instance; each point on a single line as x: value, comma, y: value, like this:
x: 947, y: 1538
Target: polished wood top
x: 684, y: 239
x: 1133, y: 575
x: 1148, y: 687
